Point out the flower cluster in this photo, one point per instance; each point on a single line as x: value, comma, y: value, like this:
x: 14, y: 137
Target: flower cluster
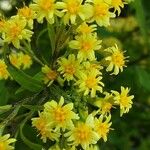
x: 19, y: 60
x: 4, y: 74
x: 78, y: 62
x: 58, y: 121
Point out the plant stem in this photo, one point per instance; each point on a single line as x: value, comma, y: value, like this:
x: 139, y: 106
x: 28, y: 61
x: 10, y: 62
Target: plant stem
x: 15, y: 111
x: 51, y: 34
x: 29, y: 51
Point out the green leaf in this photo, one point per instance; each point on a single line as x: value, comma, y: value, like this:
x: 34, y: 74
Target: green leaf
x: 39, y: 77
x: 33, y: 108
x: 30, y: 144
x: 26, y: 81
x: 143, y: 78
x: 40, y: 34
x: 140, y: 14
x: 4, y: 95
x: 5, y: 108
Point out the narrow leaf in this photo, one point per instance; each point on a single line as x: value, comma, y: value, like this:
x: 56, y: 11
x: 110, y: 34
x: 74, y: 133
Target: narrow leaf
x: 30, y: 144
x: 26, y: 81
x: 39, y: 77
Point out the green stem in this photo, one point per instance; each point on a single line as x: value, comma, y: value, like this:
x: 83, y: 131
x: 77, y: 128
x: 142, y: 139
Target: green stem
x: 51, y: 34
x: 29, y: 51
x: 15, y: 111
x: 40, y: 34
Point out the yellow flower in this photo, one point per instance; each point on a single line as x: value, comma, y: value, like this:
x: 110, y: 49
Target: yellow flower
x: 45, y: 127
x: 3, y: 70
x: 84, y: 28
x: 101, y: 13
x: 44, y: 9
x: 20, y: 60
x: 2, y: 24
x: 74, y: 9
x: 105, y: 104
x: 15, y: 31
x: 123, y: 99
x: 83, y: 134
x: 102, y: 127
x: 25, y: 60
x: 116, y: 60
x: 86, y: 45
x: 90, y: 83
x: 92, y: 66
x: 28, y: 14
x: 60, y: 115
x: 14, y: 59
x: 5, y: 142
x: 116, y: 4
x: 69, y: 67
x: 50, y: 75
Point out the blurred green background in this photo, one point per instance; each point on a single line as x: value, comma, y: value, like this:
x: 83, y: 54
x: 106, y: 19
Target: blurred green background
x: 131, y: 31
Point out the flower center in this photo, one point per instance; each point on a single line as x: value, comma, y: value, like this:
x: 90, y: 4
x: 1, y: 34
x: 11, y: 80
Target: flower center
x: 85, y: 29
x: 91, y: 82
x: 3, y: 70
x: 26, y: 59
x: 26, y: 12
x: 60, y: 115
x: 70, y: 69
x: 124, y: 101
x: 106, y: 107
x: 103, y: 129
x: 15, y: 31
x: 73, y: 7
x: 116, y: 3
x: 51, y: 75
x: 46, y: 4
x: 101, y: 10
x: 2, y: 67
x: 2, y: 146
x: 83, y: 133
x: 118, y: 59
x: 86, y: 46
x: 2, y: 23
x: 14, y: 61
x: 40, y: 124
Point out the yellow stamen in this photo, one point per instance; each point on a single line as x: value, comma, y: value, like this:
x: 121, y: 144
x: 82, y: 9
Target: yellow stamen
x: 73, y: 7
x: 116, y: 3
x: 60, y: 115
x: 103, y: 129
x: 106, y: 107
x: 83, y: 133
x: 46, y: 4
x: 91, y: 82
x: 2, y: 146
x: 118, y: 59
x: 124, y: 101
x: 15, y: 31
x: 26, y: 12
x: 101, y: 9
x: 86, y: 46
x: 70, y: 69
x: 51, y: 75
